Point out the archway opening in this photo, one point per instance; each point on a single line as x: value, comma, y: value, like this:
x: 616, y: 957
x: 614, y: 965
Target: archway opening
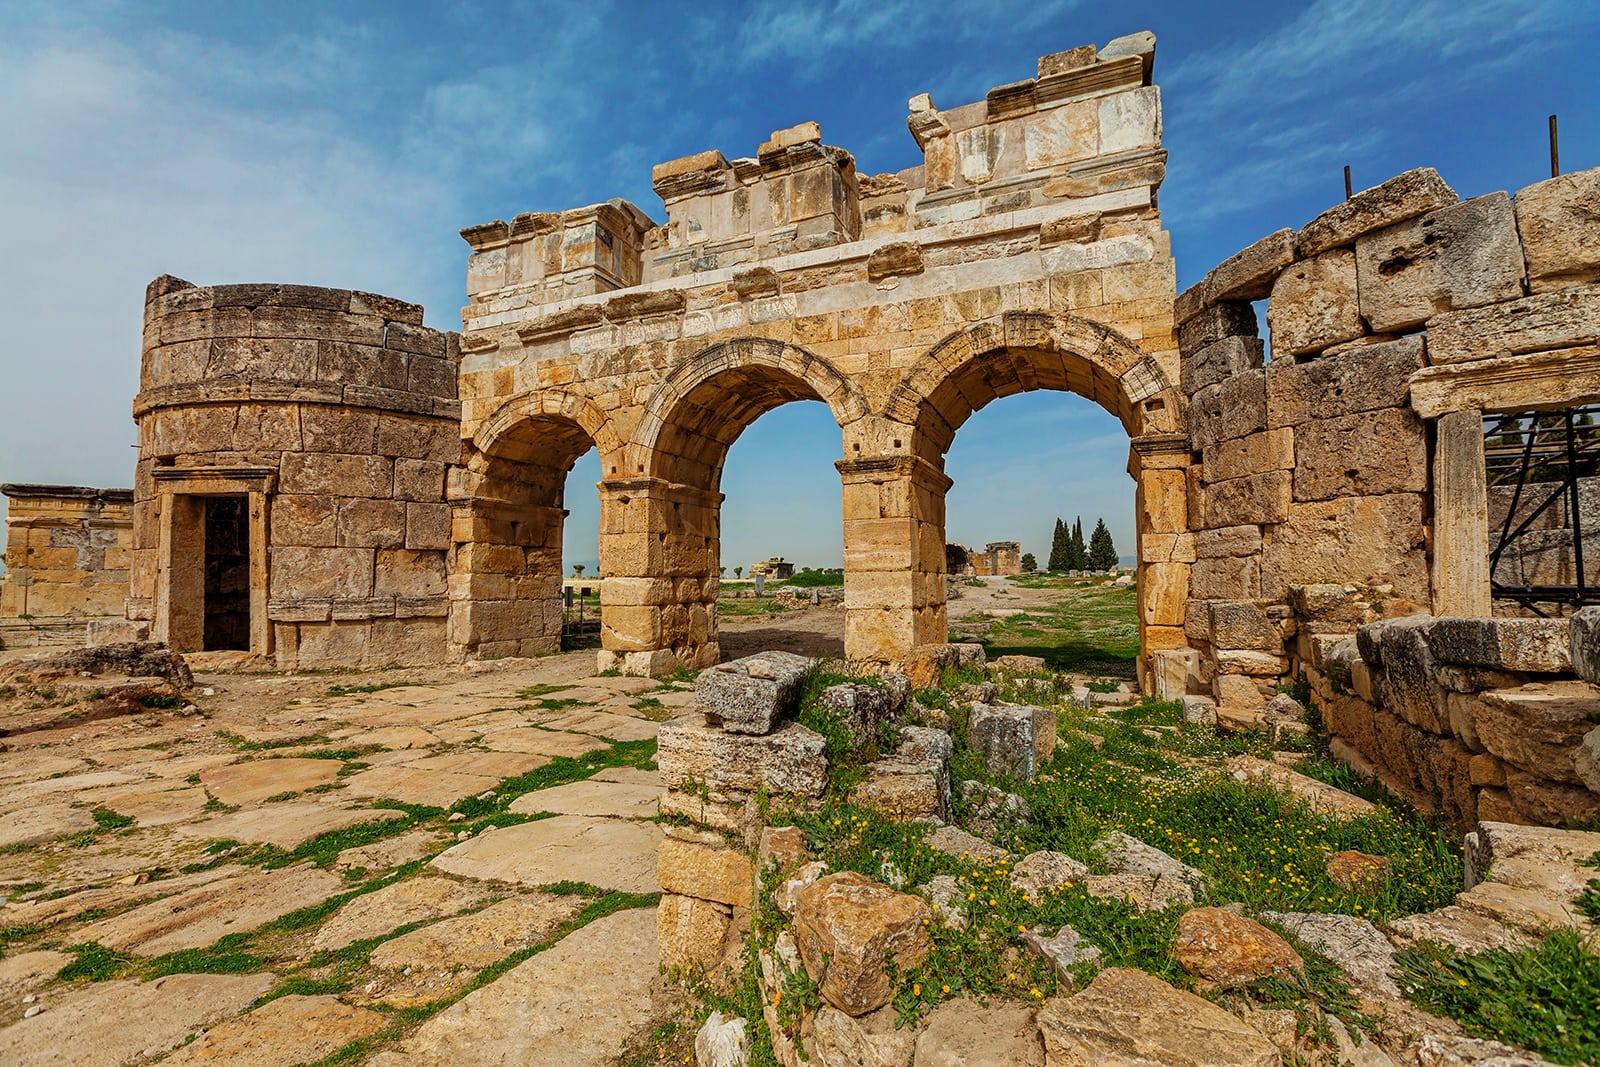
x: 507, y: 597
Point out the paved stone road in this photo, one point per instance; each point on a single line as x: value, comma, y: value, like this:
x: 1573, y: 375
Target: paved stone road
x: 283, y: 762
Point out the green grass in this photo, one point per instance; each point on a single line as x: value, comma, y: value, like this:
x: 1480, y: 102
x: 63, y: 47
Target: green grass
x: 730, y: 608
x: 542, y: 689
x: 106, y: 819
x: 1089, y: 630
x: 158, y: 701
x: 353, y: 690
x: 1545, y: 998
x: 815, y: 579
x: 244, y: 744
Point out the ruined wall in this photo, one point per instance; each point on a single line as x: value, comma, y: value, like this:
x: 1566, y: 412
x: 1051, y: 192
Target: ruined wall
x: 1353, y: 458
x: 1026, y: 252
x: 67, y: 550
x: 332, y: 417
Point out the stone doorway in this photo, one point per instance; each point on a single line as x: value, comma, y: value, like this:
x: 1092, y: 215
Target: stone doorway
x: 225, y: 603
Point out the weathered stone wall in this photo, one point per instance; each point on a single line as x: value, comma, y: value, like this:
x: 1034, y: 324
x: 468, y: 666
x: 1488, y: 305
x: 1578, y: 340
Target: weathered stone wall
x: 334, y: 413
x: 1474, y: 718
x: 1343, y: 479
x: 67, y: 550
x: 1026, y: 252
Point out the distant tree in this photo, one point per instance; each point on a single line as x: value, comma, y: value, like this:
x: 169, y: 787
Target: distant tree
x: 1058, y: 548
x: 738, y: 571
x: 1077, y: 557
x: 577, y: 570
x: 1102, y: 553
x: 1029, y: 564
x: 722, y: 572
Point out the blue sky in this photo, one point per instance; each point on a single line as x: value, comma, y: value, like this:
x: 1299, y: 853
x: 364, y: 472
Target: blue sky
x: 345, y: 144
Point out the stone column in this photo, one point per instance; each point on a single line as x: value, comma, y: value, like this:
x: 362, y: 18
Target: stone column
x: 1460, y: 517
x: 659, y: 545
x: 893, y: 557
x: 505, y: 581
x: 1159, y: 465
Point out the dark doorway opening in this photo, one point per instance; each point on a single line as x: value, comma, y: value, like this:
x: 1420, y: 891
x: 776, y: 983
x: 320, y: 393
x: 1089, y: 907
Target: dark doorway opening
x: 227, y: 593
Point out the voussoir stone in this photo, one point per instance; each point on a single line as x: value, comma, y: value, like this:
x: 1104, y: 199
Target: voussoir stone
x: 847, y: 926
x: 1224, y: 950
x: 1127, y: 1018
x: 788, y: 760
x: 751, y: 695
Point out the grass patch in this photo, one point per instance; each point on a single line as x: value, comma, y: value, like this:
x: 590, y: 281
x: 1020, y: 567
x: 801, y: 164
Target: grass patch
x: 244, y: 744
x: 93, y: 962
x: 1091, y: 629
x: 354, y: 690
x: 1546, y: 999
x: 160, y: 702
x: 737, y: 608
x: 542, y: 689
x: 106, y: 819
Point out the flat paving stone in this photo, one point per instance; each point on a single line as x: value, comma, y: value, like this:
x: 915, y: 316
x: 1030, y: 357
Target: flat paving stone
x: 37, y: 765
x: 437, y: 789
x: 26, y: 971
x: 606, y: 724
x: 628, y: 775
x: 287, y: 825
x: 256, y: 780
x: 391, y: 737
x: 392, y: 851
x: 43, y: 822
x: 544, y: 742
x: 200, y: 916
x: 494, y: 764
x: 281, y: 1033
x: 441, y: 958
x: 592, y: 990
x: 590, y: 797
x: 180, y: 766
x: 54, y: 910
x: 110, y: 1023
x: 610, y: 853
x: 408, y: 901
x: 153, y: 807
x: 16, y: 795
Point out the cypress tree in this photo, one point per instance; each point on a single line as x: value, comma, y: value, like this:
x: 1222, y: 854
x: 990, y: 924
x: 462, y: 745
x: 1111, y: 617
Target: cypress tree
x: 1076, y: 556
x: 1058, y: 548
x: 1102, y: 553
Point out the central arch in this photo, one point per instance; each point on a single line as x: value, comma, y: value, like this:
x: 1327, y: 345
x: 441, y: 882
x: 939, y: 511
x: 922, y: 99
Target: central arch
x: 660, y: 527
x: 965, y: 371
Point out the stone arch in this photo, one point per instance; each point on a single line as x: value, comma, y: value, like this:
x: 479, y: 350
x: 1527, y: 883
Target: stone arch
x: 1013, y: 353
x: 1021, y: 351
x: 508, y: 509
x: 708, y: 400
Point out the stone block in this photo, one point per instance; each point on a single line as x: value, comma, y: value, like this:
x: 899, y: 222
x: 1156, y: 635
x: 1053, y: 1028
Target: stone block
x: 1556, y: 219
x: 1255, y: 664
x: 1224, y: 951
x: 1314, y: 305
x: 1405, y: 196
x: 1175, y: 672
x: 1379, y: 540
x: 1256, y: 499
x: 1538, y: 727
x: 321, y: 572
x: 1359, y: 379
x: 1409, y: 686
x: 751, y: 695
x: 1367, y: 454
x: 1535, y: 645
x: 849, y: 929
x: 865, y: 710
x: 1272, y: 450
x: 1226, y: 578
x: 1241, y: 624
x: 1012, y: 739
x: 691, y: 931
x: 788, y: 760
x: 1233, y: 408
x: 700, y: 864
x: 1584, y: 636
x: 371, y: 524
x: 1226, y: 541
x: 1219, y: 361
x: 1457, y: 257
x: 1212, y: 322
x: 1238, y: 692
x: 1536, y: 323
x: 1248, y: 275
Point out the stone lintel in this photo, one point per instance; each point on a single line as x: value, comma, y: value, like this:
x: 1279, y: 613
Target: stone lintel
x: 1160, y: 451
x: 1539, y: 380
x: 216, y: 480
x: 1123, y: 72
x: 66, y: 492
x: 648, y: 487
x: 885, y: 468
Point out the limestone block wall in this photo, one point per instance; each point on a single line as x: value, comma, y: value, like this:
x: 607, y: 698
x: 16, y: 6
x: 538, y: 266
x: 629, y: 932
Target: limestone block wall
x: 293, y: 450
x: 67, y: 550
x: 1026, y: 252
x: 1475, y: 718
x: 1350, y: 463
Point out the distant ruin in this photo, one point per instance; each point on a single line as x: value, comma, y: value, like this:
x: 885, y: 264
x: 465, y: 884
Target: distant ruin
x: 997, y: 558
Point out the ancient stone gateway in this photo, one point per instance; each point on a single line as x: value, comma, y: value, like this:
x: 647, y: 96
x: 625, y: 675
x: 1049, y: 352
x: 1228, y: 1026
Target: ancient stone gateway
x: 1026, y: 253
x: 395, y: 494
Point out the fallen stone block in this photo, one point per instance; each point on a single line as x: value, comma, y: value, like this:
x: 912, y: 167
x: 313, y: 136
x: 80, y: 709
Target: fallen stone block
x: 864, y: 710
x: 966, y: 1032
x: 721, y: 1041
x: 1127, y: 1018
x: 1013, y: 739
x: 848, y: 928
x: 1322, y: 797
x: 1145, y: 892
x: 1065, y: 950
x: 750, y: 695
x: 1224, y: 951
x: 1123, y: 854
x: 1360, y: 950
x: 1038, y: 872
